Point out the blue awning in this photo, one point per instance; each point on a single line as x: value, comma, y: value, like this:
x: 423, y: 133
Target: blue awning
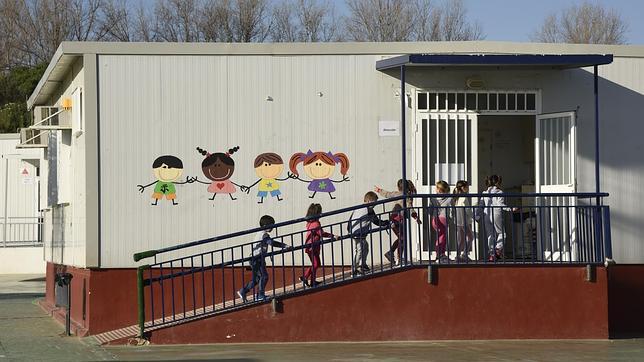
x: 563, y: 61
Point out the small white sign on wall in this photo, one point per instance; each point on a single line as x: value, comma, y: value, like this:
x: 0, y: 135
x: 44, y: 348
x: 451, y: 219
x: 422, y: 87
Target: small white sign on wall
x: 388, y: 128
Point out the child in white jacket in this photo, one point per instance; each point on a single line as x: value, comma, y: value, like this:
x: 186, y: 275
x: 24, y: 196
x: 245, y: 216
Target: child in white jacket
x: 493, y: 207
x: 463, y: 215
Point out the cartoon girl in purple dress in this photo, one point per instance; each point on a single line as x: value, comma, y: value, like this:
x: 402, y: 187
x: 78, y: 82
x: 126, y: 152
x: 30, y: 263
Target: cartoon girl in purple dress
x: 319, y: 166
x: 218, y: 168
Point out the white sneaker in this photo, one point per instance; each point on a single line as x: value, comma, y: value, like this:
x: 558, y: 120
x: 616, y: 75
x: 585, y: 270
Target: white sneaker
x: 242, y: 296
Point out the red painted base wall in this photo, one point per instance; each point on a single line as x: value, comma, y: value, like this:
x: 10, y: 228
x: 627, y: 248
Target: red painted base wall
x: 111, y: 294
x: 467, y: 303
x: 109, y: 298
x: 626, y: 301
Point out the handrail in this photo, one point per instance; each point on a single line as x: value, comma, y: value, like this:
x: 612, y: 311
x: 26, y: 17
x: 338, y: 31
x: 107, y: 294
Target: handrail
x: 206, y: 283
x: 249, y: 258
x: 151, y: 253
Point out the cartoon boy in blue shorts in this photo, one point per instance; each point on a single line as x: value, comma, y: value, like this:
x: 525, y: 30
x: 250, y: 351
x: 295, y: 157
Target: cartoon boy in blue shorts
x: 268, y: 166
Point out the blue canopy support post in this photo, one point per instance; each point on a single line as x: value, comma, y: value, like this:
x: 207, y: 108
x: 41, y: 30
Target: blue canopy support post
x: 596, y: 91
x: 601, y: 221
x: 403, y: 134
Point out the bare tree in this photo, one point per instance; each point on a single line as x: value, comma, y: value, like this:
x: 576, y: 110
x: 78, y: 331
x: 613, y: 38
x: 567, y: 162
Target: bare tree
x: 285, y: 27
x: 428, y: 21
x: 317, y: 19
x: 37, y: 27
x: 251, y: 21
x: 423, y: 20
x: 235, y: 20
x: 380, y: 20
x: 587, y: 23
x: 144, y: 25
x: 215, y: 22
x: 115, y: 21
x: 454, y: 25
x: 176, y: 20
x: 83, y: 20
x: 304, y: 21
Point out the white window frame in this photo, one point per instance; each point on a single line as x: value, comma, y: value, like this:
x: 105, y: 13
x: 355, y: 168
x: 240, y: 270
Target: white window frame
x: 447, y: 91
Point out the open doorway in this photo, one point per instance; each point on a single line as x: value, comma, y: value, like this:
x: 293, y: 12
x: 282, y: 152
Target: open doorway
x: 506, y: 148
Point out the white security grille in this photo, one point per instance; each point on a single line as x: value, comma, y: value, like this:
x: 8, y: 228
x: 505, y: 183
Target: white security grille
x: 523, y: 102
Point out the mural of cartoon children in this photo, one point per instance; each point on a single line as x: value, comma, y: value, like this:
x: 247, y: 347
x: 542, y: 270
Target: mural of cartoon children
x: 219, y: 168
x: 319, y: 166
x: 167, y: 170
x: 268, y: 166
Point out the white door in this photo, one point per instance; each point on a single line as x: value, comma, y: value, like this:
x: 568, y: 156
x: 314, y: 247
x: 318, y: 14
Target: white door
x: 446, y: 145
x: 556, y: 153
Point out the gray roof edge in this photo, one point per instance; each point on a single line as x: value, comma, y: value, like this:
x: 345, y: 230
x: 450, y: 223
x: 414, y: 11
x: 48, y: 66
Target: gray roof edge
x: 359, y: 48
x: 45, y: 77
x: 72, y: 48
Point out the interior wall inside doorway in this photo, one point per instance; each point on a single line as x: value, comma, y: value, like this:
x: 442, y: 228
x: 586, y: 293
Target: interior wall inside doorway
x: 506, y: 148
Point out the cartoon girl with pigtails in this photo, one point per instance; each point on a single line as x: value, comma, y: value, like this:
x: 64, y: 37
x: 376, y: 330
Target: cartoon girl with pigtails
x: 319, y: 167
x: 218, y: 168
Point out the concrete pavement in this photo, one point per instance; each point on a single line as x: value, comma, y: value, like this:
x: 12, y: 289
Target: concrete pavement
x: 28, y: 334
x: 568, y: 351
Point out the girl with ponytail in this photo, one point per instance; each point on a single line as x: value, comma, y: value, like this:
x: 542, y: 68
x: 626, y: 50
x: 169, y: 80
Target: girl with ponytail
x: 319, y: 167
x: 219, y: 168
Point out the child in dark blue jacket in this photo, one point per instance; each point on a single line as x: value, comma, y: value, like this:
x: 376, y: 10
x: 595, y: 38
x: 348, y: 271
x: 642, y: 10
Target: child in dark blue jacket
x: 258, y: 260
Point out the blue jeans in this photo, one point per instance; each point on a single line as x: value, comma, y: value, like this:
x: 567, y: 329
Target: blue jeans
x: 260, y: 276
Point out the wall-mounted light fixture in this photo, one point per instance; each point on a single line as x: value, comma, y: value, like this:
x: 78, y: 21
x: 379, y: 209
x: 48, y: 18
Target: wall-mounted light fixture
x: 320, y: 94
x: 475, y: 82
x: 269, y: 98
x: 66, y: 104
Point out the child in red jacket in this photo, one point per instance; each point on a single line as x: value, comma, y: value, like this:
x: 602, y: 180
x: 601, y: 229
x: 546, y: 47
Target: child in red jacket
x: 314, y: 236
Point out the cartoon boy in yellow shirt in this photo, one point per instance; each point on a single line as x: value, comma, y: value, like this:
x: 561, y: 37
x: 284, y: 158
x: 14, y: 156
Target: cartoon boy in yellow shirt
x: 268, y: 166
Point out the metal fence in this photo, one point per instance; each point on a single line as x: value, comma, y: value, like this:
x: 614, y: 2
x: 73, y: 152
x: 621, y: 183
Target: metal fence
x: 481, y: 230
x: 21, y: 231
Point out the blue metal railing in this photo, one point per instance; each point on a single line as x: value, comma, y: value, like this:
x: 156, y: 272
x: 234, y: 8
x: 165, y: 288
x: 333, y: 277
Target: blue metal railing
x: 547, y: 229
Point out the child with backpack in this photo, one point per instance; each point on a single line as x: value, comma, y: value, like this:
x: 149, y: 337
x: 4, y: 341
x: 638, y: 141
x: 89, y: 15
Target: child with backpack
x: 258, y: 259
x: 359, y: 228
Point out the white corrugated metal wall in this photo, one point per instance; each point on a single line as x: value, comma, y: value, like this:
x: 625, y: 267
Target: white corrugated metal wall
x: 156, y: 105
x: 22, y: 195
x: 621, y: 96
x: 64, y: 232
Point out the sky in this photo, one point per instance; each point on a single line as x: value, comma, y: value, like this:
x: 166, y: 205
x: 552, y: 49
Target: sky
x: 515, y: 20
